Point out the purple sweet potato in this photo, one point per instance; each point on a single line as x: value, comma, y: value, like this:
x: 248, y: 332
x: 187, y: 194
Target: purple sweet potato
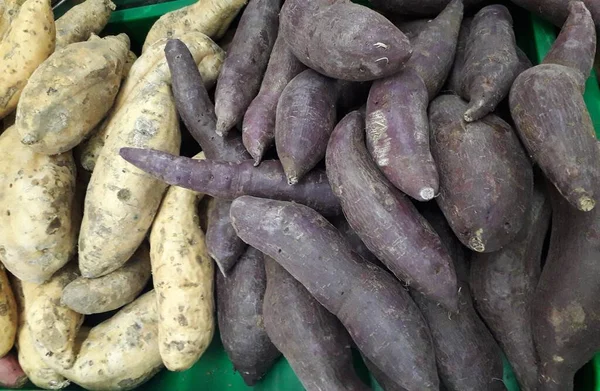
x: 549, y: 112
x: 246, y: 61
x: 258, y: 129
x: 198, y: 114
x: 240, y: 314
x: 11, y: 374
x: 503, y: 284
x: 412, y: 28
x: 224, y: 251
x: 557, y: 11
x: 575, y: 46
x: 566, y: 310
x: 229, y: 180
x: 455, y: 77
x: 486, y: 180
x: 312, y: 340
x: 385, y: 219
x: 343, y: 40
x: 378, y: 313
x: 382, y: 379
x: 306, y: 114
x: 491, y: 63
x: 354, y: 240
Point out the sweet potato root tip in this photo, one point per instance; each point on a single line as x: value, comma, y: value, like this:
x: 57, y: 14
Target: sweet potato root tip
x: 586, y: 203
x: 427, y: 193
x: 477, y: 109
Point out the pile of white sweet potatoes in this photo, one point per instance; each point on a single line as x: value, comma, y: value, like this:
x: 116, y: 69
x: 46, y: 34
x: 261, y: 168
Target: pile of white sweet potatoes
x: 383, y: 179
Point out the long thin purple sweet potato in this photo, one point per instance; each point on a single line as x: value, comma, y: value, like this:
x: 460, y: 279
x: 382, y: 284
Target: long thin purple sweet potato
x: 378, y: 313
x: 549, y: 112
x: 198, y: 114
x: 246, y: 61
x: 230, y: 180
x: 219, y: 232
x: 354, y: 240
x: 258, y: 129
x: 575, y: 46
x: 503, y: 284
x: 312, y: 340
x: 240, y: 298
x: 329, y: 37
x: 557, y: 11
x: 491, y: 63
x: 486, y: 180
x: 468, y: 357
x: 306, y: 115
x: 566, y: 325
x: 455, y: 76
x: 385, y: 219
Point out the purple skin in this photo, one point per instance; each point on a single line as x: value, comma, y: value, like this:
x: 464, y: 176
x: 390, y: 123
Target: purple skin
x: 557, y: 11
x: 218, y: 232
x: 246, y: 61
x: 198, y: 114
x: 343, y: 40
x: 383, y: 380
x: 240, y: 315
x: 575, y: 46
x: 503, y: 285
x: 356, y: 244
x: 11, y: 374
x: 566, y: 325
x: 230, y: 180
x: 455, y: 77
x: 551, y: 117
x: 258, y: 128
x: 378, y: 313
x: 411, y: 28
x: 398, y: 134
x: 486, y: 179
x: 491, y: 62
x: 313, y: 341
x: 306, y: 115
x: 385, y: 219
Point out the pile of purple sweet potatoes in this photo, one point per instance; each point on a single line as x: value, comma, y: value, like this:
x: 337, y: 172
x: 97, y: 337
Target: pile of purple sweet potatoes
x: 415, y: 189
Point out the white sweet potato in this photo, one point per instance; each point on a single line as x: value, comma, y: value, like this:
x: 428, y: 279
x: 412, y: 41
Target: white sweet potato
x: 8, y: 315
x: 78, y: 23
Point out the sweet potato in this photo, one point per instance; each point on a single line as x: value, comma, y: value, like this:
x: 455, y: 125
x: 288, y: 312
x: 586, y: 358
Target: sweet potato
x: 486, y: 180
x: 8, y: 318
x: 455, y: 76
x: 575, y: 46
x: 120, y: 353
x: 412, y: 27
x: 555, y: 126
x: 54, y: 326
x: 382, y: 379
x: 183, y: 276
x: 70, y: 93
x: 39, y: 225
x: 565, y: 326
x: 258, y: 128
x: 38, y: 372
x: 385, y: 219
x: 246, y: 61
x: 28, y: 42
x: 306, y: 115
x: 211, y: 17
x: 221, y: 240
x: 380, y: 316
x: 468, y: 357
x: 308, y: 28
x: 503, y: 285
x: 11, y: 373
x: 112, y: 291
x: 240, y: 299
x: 491, y: 63
x: 78, y: 23
x: 9, y: 9
x: 557, y: 11
x: 354, y: 240
x: 313, y: 341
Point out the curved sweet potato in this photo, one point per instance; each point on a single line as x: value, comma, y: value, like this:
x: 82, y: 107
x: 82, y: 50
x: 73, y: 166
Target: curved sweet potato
x: 308, y: 28
x: 385, y: 219
x: 557, y: 11
x: 486, y: 180
x: 221, y: 248
x: 354, y: 240
x: 379, y: 314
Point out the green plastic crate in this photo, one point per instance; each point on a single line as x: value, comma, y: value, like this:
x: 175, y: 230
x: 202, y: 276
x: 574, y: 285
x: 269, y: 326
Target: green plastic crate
x: 214, y: 371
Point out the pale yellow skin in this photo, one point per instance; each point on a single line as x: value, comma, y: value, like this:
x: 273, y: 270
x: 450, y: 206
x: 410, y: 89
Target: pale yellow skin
x: 209, y: 57
x: 28, y: 42
x: 112, y: 291
x: 211, y: 17
x: 54, y: 326
x: 8, y: 314
x: 39, y: 221
x: 38, y: 372
x: 9, y: 9
x: 183, y: 274
x: 122, y: 352
x: 70, y: 93
x: 78, y: 23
